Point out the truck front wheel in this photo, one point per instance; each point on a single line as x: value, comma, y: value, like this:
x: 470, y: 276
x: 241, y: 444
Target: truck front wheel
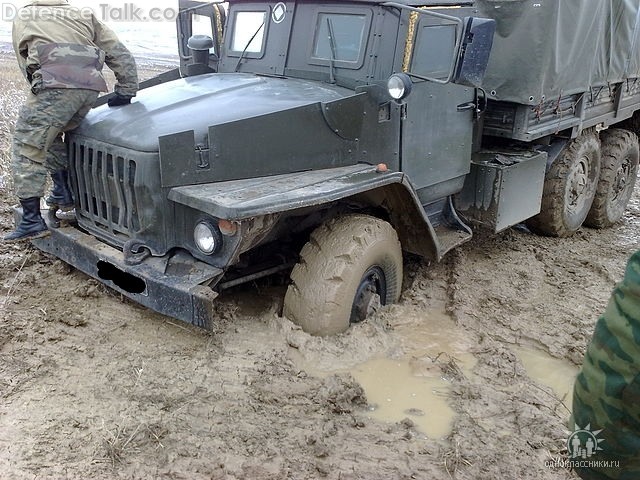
x: 569, y: 188
x: 618, y: 174
x: 349, y: 267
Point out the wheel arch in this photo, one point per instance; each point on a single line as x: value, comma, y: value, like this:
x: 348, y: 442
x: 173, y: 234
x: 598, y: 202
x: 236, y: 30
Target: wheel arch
x: 398, y: 204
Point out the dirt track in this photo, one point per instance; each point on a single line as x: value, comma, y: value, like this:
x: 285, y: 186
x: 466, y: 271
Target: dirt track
x: 93, y: 386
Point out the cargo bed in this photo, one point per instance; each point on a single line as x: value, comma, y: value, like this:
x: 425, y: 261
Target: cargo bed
x: 603, y: 106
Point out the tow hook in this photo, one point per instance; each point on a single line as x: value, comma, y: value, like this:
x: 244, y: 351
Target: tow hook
x: 135, y: 252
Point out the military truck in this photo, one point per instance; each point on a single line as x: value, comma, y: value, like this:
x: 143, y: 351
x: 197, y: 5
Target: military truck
x: 325, y: 138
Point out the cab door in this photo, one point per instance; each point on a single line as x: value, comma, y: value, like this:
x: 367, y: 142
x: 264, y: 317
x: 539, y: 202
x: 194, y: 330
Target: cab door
x: 437, y: 131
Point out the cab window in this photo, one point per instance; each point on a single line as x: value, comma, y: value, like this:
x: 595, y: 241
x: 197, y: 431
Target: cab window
x: 249, y: 33
x: 340, y: 37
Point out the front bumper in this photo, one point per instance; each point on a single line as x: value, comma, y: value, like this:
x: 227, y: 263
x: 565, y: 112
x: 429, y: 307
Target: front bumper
x: 176, y: 284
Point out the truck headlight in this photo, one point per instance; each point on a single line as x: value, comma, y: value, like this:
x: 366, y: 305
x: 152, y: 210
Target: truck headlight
x: 207, y: 237
x: 399, y: 86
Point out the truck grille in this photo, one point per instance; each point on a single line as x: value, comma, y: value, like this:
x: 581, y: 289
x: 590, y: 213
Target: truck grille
x: 104, y: 181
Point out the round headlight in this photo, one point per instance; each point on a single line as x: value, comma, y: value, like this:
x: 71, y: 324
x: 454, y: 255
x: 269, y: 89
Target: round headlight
x: 207, y: 237
x: 399, y: 86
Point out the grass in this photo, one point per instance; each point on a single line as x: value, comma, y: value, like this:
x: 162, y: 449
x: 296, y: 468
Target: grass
x: 117, y: 443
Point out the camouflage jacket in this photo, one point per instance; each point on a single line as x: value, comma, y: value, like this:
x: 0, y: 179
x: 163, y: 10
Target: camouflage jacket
x: 60, y: 46
x: 607, y: 391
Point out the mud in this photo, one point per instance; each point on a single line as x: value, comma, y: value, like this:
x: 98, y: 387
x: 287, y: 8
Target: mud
x: 94, y: 386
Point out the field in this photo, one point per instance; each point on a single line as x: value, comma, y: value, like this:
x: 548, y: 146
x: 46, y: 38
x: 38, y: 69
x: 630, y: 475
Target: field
x: 465, y: 378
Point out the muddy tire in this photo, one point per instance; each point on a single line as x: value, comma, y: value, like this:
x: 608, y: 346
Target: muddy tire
x: 618, y: 172
x: 349, y: 267
x: 569, y: 188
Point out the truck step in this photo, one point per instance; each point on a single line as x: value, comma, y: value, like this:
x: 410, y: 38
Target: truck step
x: 451, y: 231
x: 449, y: 238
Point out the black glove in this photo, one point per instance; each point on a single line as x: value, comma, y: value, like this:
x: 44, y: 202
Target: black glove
x: 118, y: 100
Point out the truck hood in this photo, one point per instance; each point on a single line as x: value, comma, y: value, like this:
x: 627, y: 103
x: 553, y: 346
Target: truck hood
x: 196, y: 103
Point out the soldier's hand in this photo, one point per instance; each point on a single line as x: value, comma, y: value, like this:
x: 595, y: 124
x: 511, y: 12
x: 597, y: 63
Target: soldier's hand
x: 118, y: 100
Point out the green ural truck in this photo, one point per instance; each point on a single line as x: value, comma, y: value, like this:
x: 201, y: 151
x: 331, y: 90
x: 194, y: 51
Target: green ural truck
x: 324, y: 138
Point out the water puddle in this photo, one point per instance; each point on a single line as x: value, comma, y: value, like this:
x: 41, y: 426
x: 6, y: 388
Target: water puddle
x: 555, y: 373
x: 415, y: 384
x: 396, y: 392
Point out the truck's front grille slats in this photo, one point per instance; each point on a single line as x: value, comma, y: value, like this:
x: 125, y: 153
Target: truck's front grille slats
x: 128, y: 194
x: 104, y: 178
x: 105, y: 184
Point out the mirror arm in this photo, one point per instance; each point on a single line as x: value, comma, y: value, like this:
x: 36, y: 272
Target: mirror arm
x: 424, y: 12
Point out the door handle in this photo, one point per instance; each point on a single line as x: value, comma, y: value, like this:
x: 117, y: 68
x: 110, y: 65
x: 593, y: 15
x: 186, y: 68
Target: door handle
x: 467, y: 106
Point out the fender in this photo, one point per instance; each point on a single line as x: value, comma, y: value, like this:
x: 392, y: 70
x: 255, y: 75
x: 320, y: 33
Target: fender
x: 237, y: 200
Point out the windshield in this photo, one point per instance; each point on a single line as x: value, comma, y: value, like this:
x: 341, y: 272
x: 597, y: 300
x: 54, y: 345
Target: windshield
x: 339, y: 37
x: 248, y: 32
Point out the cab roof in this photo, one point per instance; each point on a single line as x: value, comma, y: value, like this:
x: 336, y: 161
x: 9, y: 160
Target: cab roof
x: 410, y: 3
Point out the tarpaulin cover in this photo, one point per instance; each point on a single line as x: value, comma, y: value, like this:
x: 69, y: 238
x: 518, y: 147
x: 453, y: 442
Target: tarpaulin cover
x: 544, y: 49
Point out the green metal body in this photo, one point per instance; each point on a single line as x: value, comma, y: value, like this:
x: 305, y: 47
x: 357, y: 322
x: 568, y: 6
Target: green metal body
x: 286, y: 133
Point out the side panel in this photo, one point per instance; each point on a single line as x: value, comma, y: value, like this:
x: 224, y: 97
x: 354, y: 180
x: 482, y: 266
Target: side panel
x: 281, y: 142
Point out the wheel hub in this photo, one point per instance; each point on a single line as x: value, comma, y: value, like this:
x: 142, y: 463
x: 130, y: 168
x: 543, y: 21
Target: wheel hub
x: 370, y: 295
x: 578, y: 185
x: 621, y: 180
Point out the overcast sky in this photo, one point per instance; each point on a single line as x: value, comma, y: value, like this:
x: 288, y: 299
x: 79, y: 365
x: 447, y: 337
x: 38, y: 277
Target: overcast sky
x: 142, y: 38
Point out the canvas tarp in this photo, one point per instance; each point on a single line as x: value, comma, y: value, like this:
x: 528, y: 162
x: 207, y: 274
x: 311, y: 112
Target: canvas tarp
x: 545, y: 49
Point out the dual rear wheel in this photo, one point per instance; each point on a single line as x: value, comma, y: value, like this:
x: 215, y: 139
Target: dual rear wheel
x: 590, y: 183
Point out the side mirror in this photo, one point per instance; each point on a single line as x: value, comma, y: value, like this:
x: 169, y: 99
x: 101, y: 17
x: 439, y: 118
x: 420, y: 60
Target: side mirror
x: 475, y: 49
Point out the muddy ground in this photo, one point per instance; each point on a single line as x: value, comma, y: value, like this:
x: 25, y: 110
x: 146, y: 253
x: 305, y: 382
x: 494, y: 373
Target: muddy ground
x: 94, y: 386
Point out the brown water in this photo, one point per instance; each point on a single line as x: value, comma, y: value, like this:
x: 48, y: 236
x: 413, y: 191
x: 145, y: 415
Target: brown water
x: 555, y: 373
x: 412, y: 379
x: 396, y: 392
x: 416, y: 385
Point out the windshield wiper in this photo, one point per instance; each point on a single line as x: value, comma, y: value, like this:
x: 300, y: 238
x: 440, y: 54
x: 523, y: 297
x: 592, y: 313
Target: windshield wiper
x: 332, y: 47
x: 247, y: 46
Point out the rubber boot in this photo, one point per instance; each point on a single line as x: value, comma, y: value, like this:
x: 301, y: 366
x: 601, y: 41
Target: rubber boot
x: 61, y: 197
x: 31, y: 225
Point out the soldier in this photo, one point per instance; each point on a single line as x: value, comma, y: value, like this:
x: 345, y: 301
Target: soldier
x: 61, y: 51
x: 607, y: 391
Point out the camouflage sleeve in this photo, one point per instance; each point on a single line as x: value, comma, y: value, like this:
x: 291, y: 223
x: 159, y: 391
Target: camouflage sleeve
x: 20, y: 47
x: 607, y: 390
x: 118, y: 58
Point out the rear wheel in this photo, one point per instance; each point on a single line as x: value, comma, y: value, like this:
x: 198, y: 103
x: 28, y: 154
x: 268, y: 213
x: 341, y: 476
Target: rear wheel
x: 350, y: 266
x: 618, y: 172
x: 569, y: 188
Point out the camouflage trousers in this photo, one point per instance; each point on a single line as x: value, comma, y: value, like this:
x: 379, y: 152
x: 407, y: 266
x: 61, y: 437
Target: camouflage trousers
x: 606, y: 398
x: 38, y: 146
